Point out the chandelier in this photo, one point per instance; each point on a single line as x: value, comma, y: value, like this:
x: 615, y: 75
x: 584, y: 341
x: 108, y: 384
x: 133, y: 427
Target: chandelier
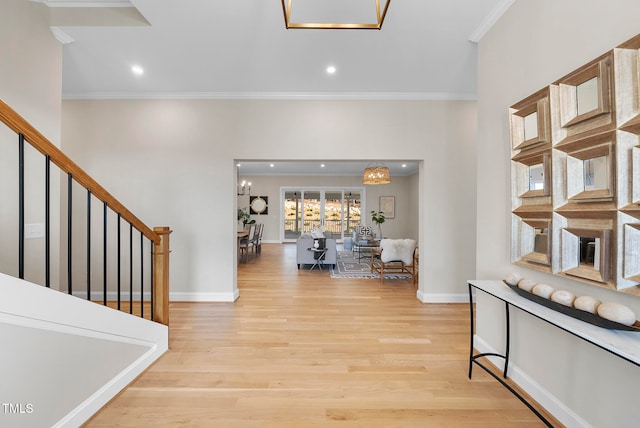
x: 314, y: 23
x: 377, y: 174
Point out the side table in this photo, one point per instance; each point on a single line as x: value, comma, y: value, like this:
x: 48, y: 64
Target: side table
x: 318, y: 255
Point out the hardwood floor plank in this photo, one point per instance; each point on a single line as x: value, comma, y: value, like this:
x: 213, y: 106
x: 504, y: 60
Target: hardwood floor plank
x: 300, y: 349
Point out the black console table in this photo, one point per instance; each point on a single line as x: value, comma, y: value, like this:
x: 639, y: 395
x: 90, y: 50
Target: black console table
x: 623, y: 344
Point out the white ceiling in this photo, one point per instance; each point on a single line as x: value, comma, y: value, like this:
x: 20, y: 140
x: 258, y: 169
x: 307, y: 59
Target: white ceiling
x: 240, y: 49
x: 340, y: 168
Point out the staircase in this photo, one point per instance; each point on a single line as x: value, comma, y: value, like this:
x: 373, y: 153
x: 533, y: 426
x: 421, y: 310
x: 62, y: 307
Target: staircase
x: 83, y: 289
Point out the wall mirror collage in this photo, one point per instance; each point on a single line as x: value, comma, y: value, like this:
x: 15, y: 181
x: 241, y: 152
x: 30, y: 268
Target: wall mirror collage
x: 574, y: 158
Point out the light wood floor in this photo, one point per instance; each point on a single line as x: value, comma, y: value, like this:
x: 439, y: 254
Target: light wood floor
x: 299, y: 349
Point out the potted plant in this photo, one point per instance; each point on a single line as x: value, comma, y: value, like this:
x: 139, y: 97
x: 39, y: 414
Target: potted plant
x: 378, y: 218
x: 244, y: 217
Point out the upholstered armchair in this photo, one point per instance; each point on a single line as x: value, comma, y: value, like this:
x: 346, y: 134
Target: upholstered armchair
x: 396, y: 256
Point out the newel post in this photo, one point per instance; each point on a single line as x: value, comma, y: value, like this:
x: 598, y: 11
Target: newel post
x: 161, y: 276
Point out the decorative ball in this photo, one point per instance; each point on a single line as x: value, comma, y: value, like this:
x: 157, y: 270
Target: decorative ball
x: 563, y: 297
x: 587, y: 303
x: 543, y: 290
x: 512, y: 278
x: 527, y: 284
x: 616, y: 312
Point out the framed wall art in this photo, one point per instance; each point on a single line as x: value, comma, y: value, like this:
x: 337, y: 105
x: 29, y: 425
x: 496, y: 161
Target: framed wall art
x: 388, y: 206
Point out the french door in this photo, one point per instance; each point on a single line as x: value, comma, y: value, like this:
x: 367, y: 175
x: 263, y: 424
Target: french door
x: 337, y: 210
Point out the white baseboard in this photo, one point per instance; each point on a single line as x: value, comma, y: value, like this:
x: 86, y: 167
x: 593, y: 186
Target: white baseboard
x: 203, y: 297
x: 554, y: 406
x: 442, y: 298
x: 96, y: 401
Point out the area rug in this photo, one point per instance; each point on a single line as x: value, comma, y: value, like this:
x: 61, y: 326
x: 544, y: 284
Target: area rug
x: 348, y: 266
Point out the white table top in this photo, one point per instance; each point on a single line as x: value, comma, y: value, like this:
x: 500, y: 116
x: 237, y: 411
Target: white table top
x: 625, y: 344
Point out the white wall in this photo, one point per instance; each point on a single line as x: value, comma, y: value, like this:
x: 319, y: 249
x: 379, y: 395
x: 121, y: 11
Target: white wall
x: 398, y: 227
x: 31, y: 84
x: 172, y: 163
x: 63, y: 356
x: 534, y: 44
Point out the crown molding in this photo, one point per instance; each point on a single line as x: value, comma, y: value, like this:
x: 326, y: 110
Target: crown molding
x: 62, y: 36
x: 392, y: 96
x: 490, y: 20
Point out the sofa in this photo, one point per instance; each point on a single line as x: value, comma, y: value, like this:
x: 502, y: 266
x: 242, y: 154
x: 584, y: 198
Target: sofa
x: 306, y: 257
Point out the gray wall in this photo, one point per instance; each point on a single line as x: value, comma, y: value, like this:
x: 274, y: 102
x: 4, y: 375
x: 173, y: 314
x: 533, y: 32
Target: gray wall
x: 173, y: 162
x: 534, y: 44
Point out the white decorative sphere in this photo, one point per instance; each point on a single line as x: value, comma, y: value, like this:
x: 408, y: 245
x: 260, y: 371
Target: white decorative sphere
x: 563, y: 297
x: 512, y: 278
x: 616, y: 312
x: 587, y: 303
x: 526, y: 284
x: 543, y: 290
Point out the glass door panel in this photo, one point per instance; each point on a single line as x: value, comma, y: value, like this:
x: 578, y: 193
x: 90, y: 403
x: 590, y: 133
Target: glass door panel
x: 332, y: 211
x: 337, y: 210
x: 311, y: 206
x: 351, y: 211
x: 292, y: 214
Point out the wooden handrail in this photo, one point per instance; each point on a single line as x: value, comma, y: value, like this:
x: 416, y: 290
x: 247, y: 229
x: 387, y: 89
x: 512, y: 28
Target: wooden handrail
x: 20, y: 126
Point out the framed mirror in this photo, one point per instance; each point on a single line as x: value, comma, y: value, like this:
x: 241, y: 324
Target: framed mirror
x: 590, y: 174
x: 533, y: 170
x: 586, y: 253
x: 530, y: 124
x: 536, y: 241
x: 584, y: 94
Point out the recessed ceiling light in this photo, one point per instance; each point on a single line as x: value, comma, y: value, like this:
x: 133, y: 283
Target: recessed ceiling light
x: 321, y: 165
x: 331, y: 69
x: 271, y: 165
x: 238, y: 164
x: 137, y: 70
x: 404, y: 165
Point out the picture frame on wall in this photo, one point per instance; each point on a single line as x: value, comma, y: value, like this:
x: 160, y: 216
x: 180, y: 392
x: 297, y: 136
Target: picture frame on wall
x: 388, y: 206
x: 259, y: 205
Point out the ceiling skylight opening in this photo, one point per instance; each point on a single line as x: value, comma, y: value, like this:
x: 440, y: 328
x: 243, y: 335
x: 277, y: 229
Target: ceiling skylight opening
x: 137, y: 70
x: 331, y: 70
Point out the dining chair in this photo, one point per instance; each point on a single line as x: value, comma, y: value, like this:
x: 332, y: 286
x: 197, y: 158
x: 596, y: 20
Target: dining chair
x: 259, y: 240
x: 247, y: 243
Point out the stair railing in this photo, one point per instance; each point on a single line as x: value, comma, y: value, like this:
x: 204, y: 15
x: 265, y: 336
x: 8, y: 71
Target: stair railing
x: 158, y: 238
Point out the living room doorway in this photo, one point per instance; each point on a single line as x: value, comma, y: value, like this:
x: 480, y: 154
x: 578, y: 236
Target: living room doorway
x: 337, y: 210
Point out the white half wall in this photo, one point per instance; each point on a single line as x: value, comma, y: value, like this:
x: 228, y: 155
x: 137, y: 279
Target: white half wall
x: 63, y: 358
x: 531, y: 46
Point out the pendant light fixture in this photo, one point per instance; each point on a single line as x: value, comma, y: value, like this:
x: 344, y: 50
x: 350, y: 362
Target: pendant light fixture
x: 376, y: 174
x: 306, y: 13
